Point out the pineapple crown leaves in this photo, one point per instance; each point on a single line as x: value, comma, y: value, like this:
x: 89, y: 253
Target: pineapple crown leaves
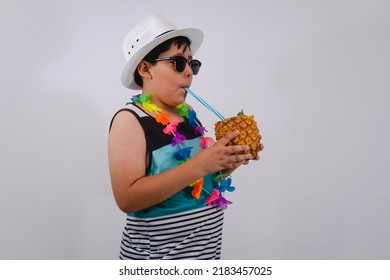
x: 241, y: 113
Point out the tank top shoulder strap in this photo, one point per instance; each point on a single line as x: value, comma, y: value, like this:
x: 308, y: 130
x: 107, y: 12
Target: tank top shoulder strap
x: 133, y: 109
x: 141, y: 113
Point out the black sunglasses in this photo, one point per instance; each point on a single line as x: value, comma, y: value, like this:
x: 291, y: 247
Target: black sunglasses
x: 180, y: 63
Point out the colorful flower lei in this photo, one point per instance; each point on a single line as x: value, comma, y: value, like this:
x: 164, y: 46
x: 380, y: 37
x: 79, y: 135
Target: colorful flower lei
x: 183, y: 153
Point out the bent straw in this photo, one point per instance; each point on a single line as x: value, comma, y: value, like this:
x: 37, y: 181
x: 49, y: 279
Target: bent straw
x: 204, y: 103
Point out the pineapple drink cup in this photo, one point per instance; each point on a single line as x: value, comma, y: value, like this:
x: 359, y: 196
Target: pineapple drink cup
x: 249, y: 132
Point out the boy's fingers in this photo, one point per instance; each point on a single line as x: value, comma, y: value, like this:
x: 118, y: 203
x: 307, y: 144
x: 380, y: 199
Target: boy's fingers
x: 228, y: 137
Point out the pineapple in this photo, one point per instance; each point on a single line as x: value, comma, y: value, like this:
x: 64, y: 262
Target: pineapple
x: 249, y: 132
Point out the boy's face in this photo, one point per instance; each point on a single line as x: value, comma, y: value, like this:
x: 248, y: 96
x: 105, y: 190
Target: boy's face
x: 168, y: 84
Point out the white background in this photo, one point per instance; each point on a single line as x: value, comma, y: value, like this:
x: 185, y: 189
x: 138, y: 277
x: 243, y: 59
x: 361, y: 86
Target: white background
x: 314, y: 73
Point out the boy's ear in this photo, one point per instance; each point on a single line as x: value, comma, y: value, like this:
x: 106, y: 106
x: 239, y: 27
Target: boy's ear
x: 144, y: 69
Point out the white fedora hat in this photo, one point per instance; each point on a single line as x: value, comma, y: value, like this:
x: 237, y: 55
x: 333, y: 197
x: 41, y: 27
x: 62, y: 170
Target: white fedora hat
x: 148, y: 34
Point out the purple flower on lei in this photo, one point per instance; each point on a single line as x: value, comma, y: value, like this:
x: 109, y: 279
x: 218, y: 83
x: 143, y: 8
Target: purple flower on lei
x: 178, y: 138
x: 199, y: 129
x: 217, y: 200
x: 222, y: 203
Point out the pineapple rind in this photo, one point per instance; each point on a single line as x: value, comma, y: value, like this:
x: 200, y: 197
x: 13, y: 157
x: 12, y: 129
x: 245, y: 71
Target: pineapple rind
x: 249, y: 132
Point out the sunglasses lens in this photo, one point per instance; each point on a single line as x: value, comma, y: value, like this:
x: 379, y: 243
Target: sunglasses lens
x: 195, y: 65
x: 180, y: 63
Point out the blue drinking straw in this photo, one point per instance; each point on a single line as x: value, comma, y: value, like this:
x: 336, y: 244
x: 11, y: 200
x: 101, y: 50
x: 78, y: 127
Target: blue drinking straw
x: 204, y: 103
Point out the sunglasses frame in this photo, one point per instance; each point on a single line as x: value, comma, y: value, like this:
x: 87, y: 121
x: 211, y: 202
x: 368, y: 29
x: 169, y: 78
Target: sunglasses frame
x: 175, y: 59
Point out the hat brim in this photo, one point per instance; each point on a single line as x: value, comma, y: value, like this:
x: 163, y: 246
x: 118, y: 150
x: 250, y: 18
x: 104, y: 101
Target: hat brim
x: 195, y: 36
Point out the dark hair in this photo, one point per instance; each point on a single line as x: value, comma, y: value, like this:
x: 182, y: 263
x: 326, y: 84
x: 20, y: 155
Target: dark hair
x: 155, y: 53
